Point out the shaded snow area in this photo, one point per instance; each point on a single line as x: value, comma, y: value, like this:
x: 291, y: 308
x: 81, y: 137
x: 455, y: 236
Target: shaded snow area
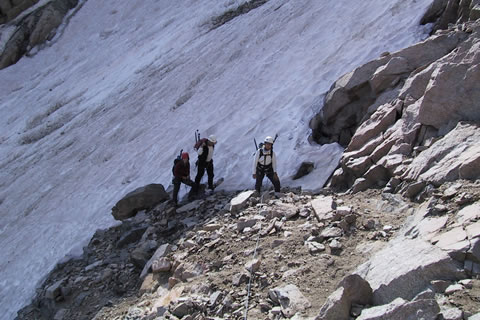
x: 110, y: 103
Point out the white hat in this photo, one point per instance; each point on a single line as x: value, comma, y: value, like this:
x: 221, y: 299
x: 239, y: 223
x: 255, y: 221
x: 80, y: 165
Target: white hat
x: 212, y: 139
x: 268, y: 140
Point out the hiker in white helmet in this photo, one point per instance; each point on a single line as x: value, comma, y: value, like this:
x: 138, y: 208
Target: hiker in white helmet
x: 265, y: 164
x: 205, y: 161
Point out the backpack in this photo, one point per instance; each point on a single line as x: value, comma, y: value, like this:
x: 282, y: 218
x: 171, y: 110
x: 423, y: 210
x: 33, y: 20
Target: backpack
x: 176, y: 160
x: 199, y: 143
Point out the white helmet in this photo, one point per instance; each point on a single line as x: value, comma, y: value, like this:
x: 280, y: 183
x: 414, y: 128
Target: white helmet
x: 212, y: 139
x: 268, y: 140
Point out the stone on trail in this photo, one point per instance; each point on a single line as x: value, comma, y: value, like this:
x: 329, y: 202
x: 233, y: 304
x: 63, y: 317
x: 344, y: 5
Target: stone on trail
x: 323, y: 207
x: 290, y: 299
x: 162, y: 251
x: 353, y: 289
x: 240, y: 201
x: 190, y: 206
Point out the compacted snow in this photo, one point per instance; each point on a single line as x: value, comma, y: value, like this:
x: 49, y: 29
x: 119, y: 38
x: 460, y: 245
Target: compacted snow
x: 107, y: 105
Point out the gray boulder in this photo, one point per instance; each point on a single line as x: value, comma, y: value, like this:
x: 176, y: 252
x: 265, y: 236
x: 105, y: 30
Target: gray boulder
x: 352, y: 290
x: 399, y: 309
x: 142, y: 198
x: 405, y: 268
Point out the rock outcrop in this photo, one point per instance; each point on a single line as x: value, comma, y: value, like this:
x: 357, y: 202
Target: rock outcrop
x: 29, y: 28
x: 411, y: 115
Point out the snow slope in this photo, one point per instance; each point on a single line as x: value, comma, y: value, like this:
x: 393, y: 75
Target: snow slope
x: 106, y: 107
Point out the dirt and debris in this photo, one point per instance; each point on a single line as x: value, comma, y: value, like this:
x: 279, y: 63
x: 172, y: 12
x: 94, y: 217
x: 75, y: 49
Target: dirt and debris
x: 208, y: 254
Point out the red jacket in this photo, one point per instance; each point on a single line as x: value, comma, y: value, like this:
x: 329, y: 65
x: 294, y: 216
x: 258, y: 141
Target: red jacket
x: 181, y: 169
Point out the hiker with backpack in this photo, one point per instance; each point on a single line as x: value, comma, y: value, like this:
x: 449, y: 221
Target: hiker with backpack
x: 265, y: 164
x: 205, y: 149
x: 181, y: 174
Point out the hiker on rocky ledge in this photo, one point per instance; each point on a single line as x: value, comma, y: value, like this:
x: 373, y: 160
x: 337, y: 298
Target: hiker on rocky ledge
x: 181, y: 174
x: 265, y: 164
x: 205, y: 162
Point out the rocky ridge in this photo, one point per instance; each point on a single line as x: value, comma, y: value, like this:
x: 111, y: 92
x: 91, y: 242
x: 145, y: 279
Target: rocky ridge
x: 298, y: 255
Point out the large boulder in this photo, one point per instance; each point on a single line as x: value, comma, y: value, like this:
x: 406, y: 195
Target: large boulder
x: 405, y: 268
x: 290, y: 299
x: 400, y: 309
x: 352, y: 290
x: 455, y: 156
x: 142, y: 198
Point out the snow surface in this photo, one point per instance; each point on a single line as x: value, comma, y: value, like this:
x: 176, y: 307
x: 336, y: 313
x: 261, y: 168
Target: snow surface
x: 106, y: 107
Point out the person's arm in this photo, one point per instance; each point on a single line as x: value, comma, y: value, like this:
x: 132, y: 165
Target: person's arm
x: 274, y: 162
x: 255, y: 161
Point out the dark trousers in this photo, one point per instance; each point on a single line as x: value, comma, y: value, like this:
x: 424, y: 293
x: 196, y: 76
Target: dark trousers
x: 202, y: 166
x: 261, y: 172
x: 176, y: 186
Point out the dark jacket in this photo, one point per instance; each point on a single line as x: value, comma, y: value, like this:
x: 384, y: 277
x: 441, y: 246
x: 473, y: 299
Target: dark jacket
x: 181, y: 169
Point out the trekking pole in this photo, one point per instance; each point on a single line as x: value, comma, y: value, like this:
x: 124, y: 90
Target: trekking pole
x: 255, y: 141
x: 275, y: 139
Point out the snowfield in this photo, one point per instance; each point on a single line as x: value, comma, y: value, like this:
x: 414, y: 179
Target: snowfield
x: 107, y: 105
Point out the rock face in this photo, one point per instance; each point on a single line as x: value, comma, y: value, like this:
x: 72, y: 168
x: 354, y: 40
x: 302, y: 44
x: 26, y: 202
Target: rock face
x: 352, y: 290
x: 425, y: 132
x: 142, y: 198
x: 30, y: 28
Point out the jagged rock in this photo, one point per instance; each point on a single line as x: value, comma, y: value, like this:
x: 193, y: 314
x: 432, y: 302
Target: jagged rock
x: 473, y: 252
x: 140, y: 199
x: 240, y: 201
x: 331, y: 232
x: 239, y: 278
x: 290, y: 299
x: 453, y: 157
x: 353, y: 289
x: 397, y: 275
x: 399, y: 309
x: 162, y: 251
x: 452, y: 314
x: 454, y: 242
x: 149, y: 284
x: 286, y: 210
x: 141, y: 254
x: 453, y: 288
x: 440, y: 285
x: 161, y: 265
x: 315, y: 247
x: 253, y: 265
x: 194, y: 205
x: 54, y: 292
x: 387, y: 74
x: 131, y: 236
x: 323, y: 207
x: 242, y: 224
x: 33, y: 28
x: 469, y: 213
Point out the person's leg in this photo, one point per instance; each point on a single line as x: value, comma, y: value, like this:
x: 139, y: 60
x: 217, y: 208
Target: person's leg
x: 210, y: 174
x: 258, y: 183
x: 193, y: 190
x: 200, y: 173
x: 275, y: 181
x: 176, y: 188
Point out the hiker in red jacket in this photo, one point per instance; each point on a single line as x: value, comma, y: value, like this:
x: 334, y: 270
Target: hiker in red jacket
x: 181, y: 174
